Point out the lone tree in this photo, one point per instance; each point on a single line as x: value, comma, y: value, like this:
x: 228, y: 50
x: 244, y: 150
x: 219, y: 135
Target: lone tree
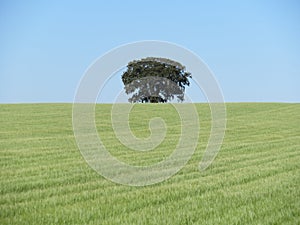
x: 155, y: 80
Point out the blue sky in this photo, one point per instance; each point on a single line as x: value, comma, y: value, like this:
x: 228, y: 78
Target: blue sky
x: 252, y: 47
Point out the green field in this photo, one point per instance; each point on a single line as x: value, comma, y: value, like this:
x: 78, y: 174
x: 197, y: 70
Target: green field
x: 255, y: 179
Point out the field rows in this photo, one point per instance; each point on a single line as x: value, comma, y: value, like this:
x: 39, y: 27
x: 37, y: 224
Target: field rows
x: 255, y: 179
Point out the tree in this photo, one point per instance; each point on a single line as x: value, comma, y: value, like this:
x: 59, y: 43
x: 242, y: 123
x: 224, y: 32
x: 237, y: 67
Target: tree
x: 155, y: 80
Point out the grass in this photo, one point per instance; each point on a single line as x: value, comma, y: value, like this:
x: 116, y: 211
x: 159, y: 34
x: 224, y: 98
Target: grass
x: 255, y: 179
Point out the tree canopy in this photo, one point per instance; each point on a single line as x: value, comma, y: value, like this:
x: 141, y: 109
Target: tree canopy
x: 155, y: 80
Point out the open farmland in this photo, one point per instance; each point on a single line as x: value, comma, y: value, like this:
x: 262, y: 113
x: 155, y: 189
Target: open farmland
x: 255, y: 178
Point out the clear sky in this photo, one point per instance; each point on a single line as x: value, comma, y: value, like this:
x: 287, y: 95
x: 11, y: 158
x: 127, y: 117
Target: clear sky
x: 252, y: 47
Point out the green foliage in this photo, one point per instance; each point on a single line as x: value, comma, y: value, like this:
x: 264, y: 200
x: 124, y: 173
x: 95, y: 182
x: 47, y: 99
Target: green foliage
x: 255, y: 179
x: 155, y: 80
